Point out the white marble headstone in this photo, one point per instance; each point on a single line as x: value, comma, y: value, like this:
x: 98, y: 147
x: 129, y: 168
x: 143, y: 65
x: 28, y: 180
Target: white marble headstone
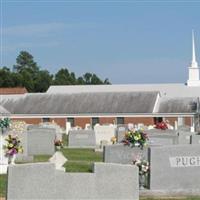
x: 104, y: 132
x: 3, y: 158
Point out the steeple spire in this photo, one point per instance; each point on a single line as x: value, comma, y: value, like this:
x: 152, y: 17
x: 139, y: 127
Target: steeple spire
x: 194, y: 62
x: 193, y: 69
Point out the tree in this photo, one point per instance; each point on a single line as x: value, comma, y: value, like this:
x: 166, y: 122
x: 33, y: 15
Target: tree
x: 80, y: 81
x: 106, y: 82
x: 6, y: 77
x: 27, y: 68
x: 24, y: 61
x: 26, y: 73
x: 87, y: 78
x: 63, y: 77
x: 42, y: 81
x: 95, y: 80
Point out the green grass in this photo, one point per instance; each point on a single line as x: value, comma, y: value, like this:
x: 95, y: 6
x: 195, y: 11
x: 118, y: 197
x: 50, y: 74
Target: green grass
x: 83, y: 155
x: 81, y: 160
x: 65, y: 139
x: 72, y: 166
x: 3, y: 183
x: 41, y: 158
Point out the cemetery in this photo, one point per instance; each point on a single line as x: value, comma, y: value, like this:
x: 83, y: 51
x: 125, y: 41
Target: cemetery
x: 133, y: 161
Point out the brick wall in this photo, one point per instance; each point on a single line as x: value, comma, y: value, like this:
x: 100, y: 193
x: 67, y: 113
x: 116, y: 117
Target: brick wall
x: 29, y: 120
x: 106, y: 120
x: 171, y: 120
x: 188, y: 121
x: 60, y: 121
x: 82, y: 121
x: 136, y: 120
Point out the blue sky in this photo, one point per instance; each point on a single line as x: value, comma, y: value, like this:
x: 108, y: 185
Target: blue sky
x: 125, y: 41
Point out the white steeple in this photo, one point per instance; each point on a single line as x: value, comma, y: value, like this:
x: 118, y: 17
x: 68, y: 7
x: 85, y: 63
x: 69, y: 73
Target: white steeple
x: 194, y: 62
x: 193, y: 69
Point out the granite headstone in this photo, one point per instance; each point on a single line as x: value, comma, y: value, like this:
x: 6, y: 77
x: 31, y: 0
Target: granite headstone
x: 82, y: 139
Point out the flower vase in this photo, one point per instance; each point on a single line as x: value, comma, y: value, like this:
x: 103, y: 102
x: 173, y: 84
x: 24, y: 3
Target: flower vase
x: 12, y: 159
x: 58, y: 148
x: 142, y: 181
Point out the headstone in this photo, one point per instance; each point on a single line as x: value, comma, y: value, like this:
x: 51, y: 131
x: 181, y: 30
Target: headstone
x: 184, y: 137
x: 160, y: 132
x: 68, y: 127
x: 82, y: 139
x: 104, y: 132
x: 24, y: 157
x: 175, y: 168
x: 130, y: 126
x: 57, y: 128
x: 3, y: 158
x: 88, y: 126
x: 41, y: 181
x: 184, y: 128
x: 195, y: 139
x: 59, y: 160
x: 181, y: 121
x: 164, y: 139
x: 120, y: 153
x: 121, y: 133
x: 41, y: 141
x: 31, y: 181
x: 33, y: 126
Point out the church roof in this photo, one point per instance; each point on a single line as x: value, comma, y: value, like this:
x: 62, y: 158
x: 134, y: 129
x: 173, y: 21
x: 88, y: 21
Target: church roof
x: 177, y: 105
x: 166, y: 90
x: 83, y: 103
x: 3, y: 110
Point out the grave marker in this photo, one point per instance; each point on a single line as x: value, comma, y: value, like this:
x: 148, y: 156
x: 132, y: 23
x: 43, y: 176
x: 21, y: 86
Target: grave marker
x: 82, y: 139
x: 177, y: 167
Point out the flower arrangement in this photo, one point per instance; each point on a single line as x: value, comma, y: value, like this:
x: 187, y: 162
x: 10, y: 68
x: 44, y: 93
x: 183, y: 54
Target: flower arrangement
x: 161, y: 125
x: 13, y: 146
x: 143, y: 166
x: 113, y: 140
x: 58, y: 143
x: 135, y: 138
x: 144, y: 170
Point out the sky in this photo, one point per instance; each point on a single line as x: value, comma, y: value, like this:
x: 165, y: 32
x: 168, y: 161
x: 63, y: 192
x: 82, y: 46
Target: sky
x: 128, y: 42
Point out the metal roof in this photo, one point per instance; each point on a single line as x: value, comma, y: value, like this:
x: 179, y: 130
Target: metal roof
x: 177, y: 105
x: 83, y: 103
x: 3, y: 110
x: 168, y: 90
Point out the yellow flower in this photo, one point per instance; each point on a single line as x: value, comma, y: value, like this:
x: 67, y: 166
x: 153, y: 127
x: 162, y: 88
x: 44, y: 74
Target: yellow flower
x: 113, y: 139
x: 10, y: 145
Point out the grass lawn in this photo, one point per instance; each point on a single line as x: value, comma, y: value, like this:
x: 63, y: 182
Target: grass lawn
x: 3, y: 183
x: 81, y: 160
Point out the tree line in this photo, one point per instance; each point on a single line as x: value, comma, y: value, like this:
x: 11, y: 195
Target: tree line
x: 27, y: 73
